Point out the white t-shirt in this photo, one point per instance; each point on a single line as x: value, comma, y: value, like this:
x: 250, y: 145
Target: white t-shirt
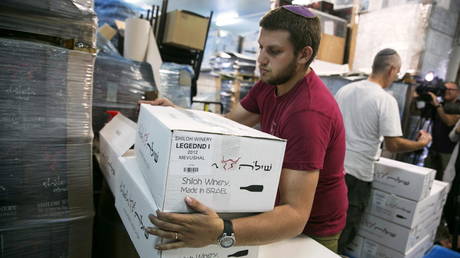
x: 369, y: 114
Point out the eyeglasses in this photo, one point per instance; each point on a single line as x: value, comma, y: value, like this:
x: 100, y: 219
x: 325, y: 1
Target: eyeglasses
x: 299, y: 10
x: 451, y: 89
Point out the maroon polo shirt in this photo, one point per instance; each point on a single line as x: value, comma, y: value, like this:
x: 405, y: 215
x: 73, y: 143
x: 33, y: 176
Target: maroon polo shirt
x: 310, y: 119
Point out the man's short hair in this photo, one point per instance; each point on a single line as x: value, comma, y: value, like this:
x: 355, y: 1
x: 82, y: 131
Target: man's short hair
x: 452, y: 82
x: 383, y: 60
x: 302, y: 31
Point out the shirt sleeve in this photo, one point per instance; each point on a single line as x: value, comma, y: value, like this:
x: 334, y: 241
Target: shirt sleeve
x: 308, y: 136
x: 389, y: 120
x: 249, y: 102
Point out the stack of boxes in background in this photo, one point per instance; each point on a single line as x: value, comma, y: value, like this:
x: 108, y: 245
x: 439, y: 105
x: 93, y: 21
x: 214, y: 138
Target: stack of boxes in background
x: 119, y: 84
x: 237, y: 76
x: 46, y: 202
x: 175, y: 83
x: 403, y: 213
x: 181, y: 153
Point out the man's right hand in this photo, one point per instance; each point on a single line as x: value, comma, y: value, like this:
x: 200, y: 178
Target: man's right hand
x: 158, y: 102
x: 424, y: 137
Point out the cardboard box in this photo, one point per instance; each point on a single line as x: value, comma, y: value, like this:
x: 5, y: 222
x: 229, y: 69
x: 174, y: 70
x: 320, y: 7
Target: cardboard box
x: 227, y: 166
x: 392, y: 235
x: 115, y: 139
x: 372, y: 249
x: 134, y: 203
x: 403, y: 179
x: 331, y: 49
x: 186, y: 29
x: 406, y: 212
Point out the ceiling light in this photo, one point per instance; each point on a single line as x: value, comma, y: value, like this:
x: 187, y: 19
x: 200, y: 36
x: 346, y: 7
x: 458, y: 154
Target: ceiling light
x: 227, y: 18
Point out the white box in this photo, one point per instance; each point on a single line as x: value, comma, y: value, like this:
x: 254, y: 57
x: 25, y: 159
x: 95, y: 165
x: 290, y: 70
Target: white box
x: 406, y: 212
x: 372, y: 249
x: 392, y: 235
x: 115, y: 139
x: 134, y: 203
x: 403, y: 179
x: 206, y: 156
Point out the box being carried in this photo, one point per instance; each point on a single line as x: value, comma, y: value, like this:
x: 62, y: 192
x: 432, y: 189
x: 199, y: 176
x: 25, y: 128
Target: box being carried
x: 134, y: 203
x: 403, y: 179
x: 227, y: 166
x: 115, y: 139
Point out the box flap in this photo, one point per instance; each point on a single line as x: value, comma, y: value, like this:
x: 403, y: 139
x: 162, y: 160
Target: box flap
x: 405, y: 166
x: 119, y: 133
x: 438, y: 186
x: 201, y: 121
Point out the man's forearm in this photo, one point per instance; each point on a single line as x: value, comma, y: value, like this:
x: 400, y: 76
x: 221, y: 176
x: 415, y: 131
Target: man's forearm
x: 281, y: 223
x: 447, y: 119
x: 400, y: 145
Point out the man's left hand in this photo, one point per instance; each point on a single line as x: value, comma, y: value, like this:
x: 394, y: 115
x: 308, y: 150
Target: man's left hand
x: 434, y: 99
x: 188, y: 230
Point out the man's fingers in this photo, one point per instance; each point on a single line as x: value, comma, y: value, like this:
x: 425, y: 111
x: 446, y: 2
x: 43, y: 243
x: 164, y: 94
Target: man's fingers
x: 198, y: 206
x: 174, y: 218
x: 157, y: 102
x: 164, y: 233
x: 164, y: 224
x: 169, y: 246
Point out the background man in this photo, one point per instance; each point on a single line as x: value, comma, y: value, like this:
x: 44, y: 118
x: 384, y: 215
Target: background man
x: 292, y: 103
x: 370, y: 114
x: 443, y: 123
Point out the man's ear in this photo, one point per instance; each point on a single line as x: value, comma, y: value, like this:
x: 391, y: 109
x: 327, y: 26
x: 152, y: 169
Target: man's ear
x: 305, y: 55
x: 391, y: 70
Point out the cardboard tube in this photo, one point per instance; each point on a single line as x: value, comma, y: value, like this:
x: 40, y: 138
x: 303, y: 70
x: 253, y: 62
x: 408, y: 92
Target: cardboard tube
x: 153, y: 57
x: 136, y: 39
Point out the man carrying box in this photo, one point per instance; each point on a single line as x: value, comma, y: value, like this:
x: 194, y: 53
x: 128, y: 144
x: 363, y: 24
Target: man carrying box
x: 292, y: 103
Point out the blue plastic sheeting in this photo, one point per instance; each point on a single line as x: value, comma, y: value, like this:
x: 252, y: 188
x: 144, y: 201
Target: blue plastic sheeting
x: 441, y: 252
x: 110, y: 10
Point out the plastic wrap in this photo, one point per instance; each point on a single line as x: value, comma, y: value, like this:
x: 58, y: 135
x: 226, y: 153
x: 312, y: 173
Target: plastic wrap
x: 45, y: 140
x: 105, y: 46
x: 402, y: 27
x: 439, y: 40
x: 423, y: 35
x: 331, y: 25
x: 110, y: 10
x: 233, y: 63
x: 46, y: 93
x: 70, y: 238
x: 81, y: 29
x: 61, y: 8
x: 171, y: 86
x: 119, y: 84
x: 227, y: 94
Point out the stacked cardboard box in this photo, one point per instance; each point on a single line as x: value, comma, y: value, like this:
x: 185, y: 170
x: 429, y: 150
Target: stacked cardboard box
x: 58, y: 20
x: 46, y: 200
x: 181, y: 153
x: 119, y: 83
x: 403, y: 213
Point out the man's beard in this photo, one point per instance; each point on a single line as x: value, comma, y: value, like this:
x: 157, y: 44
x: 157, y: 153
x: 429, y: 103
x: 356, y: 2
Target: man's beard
x: 283, y: 76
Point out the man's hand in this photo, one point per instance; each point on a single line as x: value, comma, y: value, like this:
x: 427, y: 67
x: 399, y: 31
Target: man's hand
x: 158, y: 102
x: 457, y: 129
x: 434, y: 99
x: 424, y: 137
x: 188, y: 230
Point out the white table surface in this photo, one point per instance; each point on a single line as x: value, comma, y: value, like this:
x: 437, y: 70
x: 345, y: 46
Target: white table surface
x: 299, y: 247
